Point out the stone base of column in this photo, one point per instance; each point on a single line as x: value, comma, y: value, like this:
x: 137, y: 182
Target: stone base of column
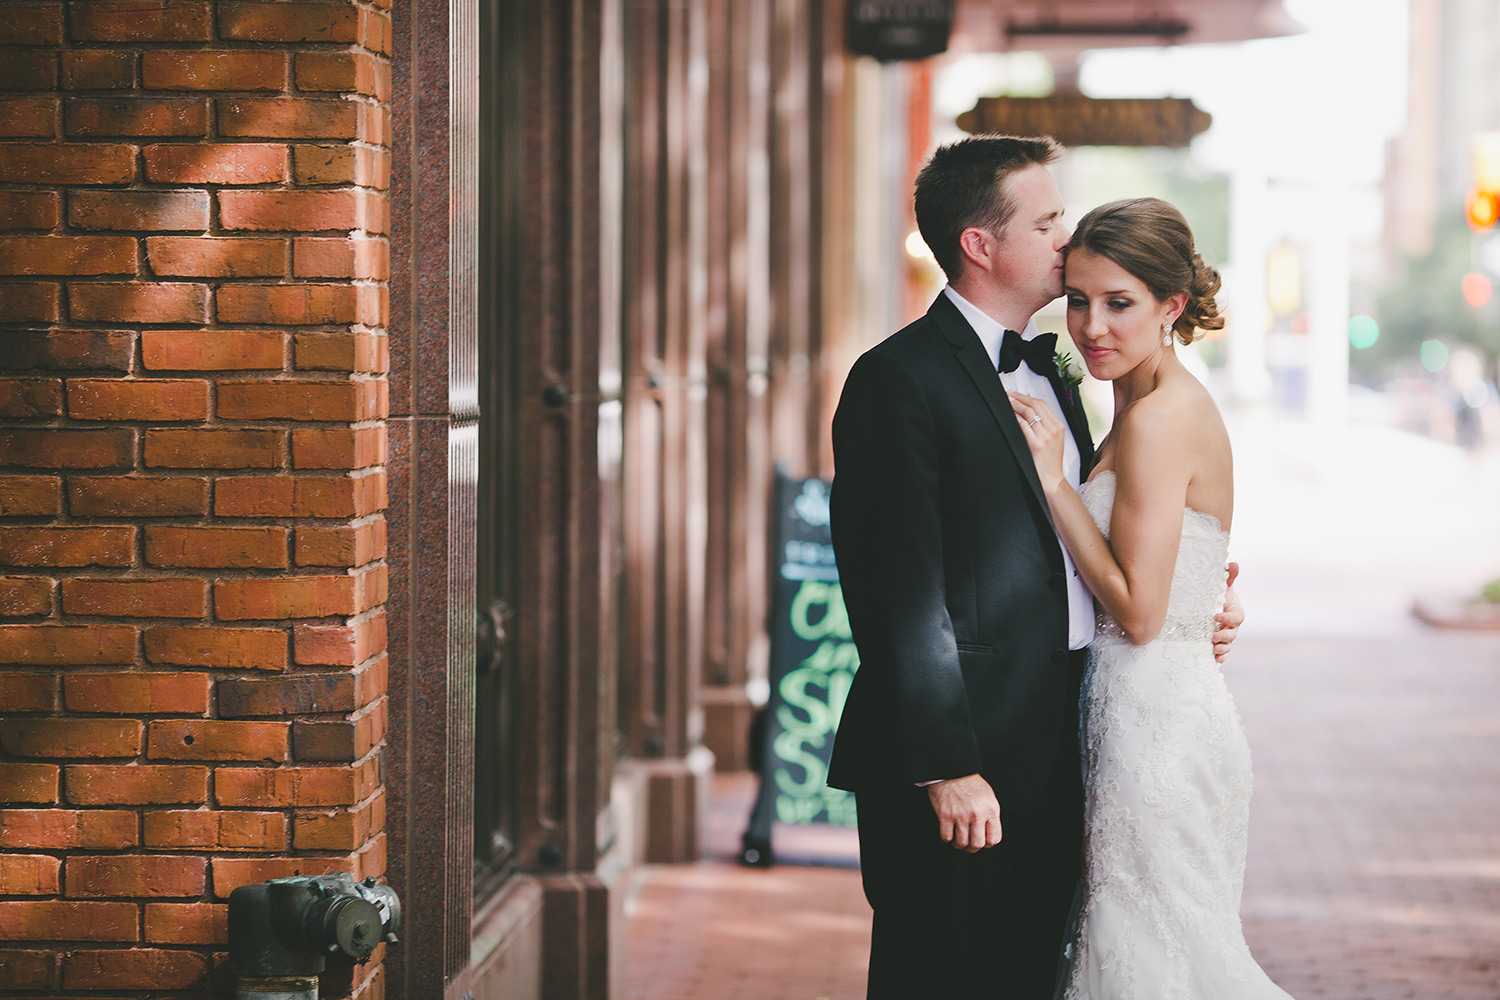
x: 727, y: 715
x: 677, y: 792
x: 575, y: 937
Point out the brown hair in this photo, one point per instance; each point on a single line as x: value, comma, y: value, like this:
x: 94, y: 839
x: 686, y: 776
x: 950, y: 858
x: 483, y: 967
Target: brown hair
x: 959, y: 187
x: 1150, y: 239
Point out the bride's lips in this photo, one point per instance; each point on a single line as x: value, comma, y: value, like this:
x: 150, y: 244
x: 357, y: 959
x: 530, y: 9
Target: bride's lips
x: 1095, y: 353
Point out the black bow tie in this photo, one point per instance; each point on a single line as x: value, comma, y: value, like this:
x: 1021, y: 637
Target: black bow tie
x: 1038, y: 353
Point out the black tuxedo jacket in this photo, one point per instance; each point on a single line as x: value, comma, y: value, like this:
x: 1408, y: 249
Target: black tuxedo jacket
x: 952, y: 573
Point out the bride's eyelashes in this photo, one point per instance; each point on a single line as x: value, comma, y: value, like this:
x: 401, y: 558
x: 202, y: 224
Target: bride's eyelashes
x: 1115, y: 304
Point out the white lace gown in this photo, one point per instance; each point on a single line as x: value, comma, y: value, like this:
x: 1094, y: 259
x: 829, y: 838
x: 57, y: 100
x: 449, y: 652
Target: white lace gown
x: 1167, y: 798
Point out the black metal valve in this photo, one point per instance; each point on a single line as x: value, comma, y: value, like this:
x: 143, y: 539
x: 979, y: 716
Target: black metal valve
x: 287, y: 926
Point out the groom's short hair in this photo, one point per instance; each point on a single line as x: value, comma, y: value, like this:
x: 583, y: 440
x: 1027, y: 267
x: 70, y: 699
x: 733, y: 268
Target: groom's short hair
x: 960, y: 187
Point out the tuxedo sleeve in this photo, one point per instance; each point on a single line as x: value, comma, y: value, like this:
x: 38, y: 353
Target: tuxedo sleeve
x: 888, y: 529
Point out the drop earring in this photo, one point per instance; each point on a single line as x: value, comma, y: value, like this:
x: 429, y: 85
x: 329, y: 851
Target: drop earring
x: 1166, y: 340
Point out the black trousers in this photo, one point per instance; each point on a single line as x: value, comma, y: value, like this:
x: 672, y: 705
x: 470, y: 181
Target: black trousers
x: 991, y: 924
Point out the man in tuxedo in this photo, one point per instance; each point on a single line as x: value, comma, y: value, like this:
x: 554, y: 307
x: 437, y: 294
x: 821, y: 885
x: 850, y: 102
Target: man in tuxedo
x: 971, y: 622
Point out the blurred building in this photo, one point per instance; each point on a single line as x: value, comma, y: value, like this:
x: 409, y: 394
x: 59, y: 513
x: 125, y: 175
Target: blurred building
x: 391, y: 394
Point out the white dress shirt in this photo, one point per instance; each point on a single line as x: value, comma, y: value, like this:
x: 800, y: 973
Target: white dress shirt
x: 1023, y: 379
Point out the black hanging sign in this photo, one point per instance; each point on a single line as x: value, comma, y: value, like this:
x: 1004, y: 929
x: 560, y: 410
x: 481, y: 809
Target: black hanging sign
x: 892, y: 30
x: 813, y: 660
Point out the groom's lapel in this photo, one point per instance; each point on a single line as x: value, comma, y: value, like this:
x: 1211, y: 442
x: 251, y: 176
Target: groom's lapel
x: 1078, y: 422
x: 969, y: 352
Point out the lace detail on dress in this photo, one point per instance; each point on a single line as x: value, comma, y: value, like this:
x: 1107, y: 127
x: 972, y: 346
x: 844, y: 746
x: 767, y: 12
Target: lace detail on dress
x: 1167, y: 798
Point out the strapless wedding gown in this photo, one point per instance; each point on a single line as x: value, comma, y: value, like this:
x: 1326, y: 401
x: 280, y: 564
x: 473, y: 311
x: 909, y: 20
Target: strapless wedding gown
x: 1167, y: 798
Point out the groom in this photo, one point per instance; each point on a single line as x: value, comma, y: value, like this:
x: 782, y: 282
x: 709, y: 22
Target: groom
x: 960, y: 735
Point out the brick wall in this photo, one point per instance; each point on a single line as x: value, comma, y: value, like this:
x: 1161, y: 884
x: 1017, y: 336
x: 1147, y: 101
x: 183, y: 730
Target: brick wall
x: 193, y: 259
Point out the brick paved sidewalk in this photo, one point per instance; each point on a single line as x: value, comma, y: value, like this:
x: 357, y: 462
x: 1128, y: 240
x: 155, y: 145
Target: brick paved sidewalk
x: 1374, y: 853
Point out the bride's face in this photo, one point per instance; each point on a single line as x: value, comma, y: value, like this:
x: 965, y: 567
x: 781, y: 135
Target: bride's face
x: 1112, y: 316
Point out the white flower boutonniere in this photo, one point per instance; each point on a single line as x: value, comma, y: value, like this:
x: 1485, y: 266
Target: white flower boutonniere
x: 1070, y: 376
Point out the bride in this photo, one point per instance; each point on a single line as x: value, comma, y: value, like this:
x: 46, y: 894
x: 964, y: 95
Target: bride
x: 1167, y: 768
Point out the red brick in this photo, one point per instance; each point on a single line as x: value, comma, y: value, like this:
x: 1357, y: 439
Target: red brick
x: 148, y: 210
x: 205, y: 256
x: 136, y: 693
x: 287, y: 118
x: 52, y: 448
x: 163, y: 597
x: 142, y: 302
x: 350, y: 352
x: 301, y: 399
x: 187, y: 923
x: 29, y: 875
x: 215, y: 449
x: 240, y: 69
x: 323, y: 257
x: 29, y: 117
x: 282, y: 787
x: 135, y: 784
x: 254, y: 648
x: 22, y: 496
x: 137, y: 399
x: 138, y: 875
x: 25, y: 595
x: 28, y: 969
x: 290, y: 305
x: 374, y: 124
x: 340, y: 496
x: 137, y: 496
x: 285, y: 597
x: 56, y: 921
x: 45, y: 255
x: 65, y: 829
x: 344, y: 830
x: 212, y: 350
x: 136, y: 116
x: 29, y: 302
x: 192, y: 739
x: 299, y: 694
x: 27, y: 693
x: 326, y: 164
x: 29, y: 209
x: 279, y: 22
x: 72, y: 546
x: 228, y: 831
x: 215, y: 163
x: 231, y: 873
x: 341, y: 740
x: 291, y: 210
x: 349, y: 72
x: 375, y: 31
x: 374, y: 305
x: 339, y: 645
x: 30, y: 397
x: 69, y: 350
x: 28, y: 71
x: 241, y: 548
x: 142, y: 21
x: 66, y: 163
x: 98, y: 69
x: 25, y: 783
x: 341, y: 545
x: 33, y: 24
x: 338, y: 447
x: 67, y: 645
x: 135, y: 968
x: 71, y: 737
x: 255, y: 496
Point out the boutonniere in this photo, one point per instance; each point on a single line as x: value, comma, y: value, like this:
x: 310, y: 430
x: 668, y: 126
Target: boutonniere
x: 1067, y: 374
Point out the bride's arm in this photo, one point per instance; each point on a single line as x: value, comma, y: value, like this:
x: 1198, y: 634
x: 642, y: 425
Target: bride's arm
x: 1130, y: 573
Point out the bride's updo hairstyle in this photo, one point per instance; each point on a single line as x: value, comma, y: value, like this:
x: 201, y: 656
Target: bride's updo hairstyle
x: 1150, y: 239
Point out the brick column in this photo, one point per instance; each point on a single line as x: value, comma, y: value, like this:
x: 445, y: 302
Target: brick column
x: 193, y: 396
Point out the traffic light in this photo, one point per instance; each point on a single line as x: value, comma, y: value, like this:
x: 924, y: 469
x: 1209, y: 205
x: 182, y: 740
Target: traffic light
x: 1482, y: 208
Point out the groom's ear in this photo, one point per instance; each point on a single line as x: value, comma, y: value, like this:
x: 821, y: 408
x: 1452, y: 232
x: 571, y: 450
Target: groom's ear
x: 975, y: 244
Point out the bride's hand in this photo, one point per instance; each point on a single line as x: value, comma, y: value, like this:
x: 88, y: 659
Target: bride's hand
x: 1044, y: 432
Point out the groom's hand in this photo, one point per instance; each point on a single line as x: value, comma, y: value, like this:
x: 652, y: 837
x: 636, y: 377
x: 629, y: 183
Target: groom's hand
x: 967, y: 811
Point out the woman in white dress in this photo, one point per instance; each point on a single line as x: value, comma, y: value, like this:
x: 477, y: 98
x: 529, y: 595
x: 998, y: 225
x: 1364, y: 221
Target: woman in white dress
x: 1167, y: 768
